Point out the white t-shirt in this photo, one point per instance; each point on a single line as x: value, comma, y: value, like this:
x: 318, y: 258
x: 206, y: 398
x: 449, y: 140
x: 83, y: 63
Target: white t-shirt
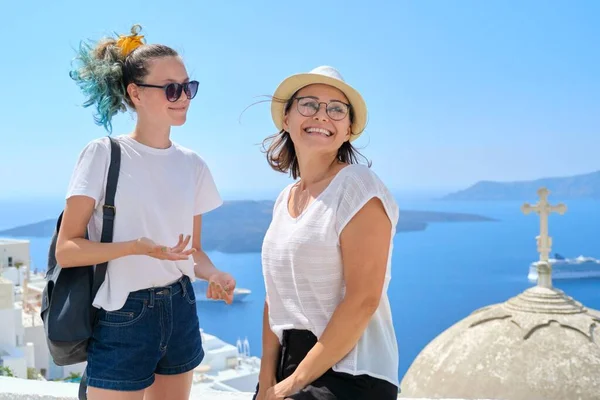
x: 158, y: 194
x: 303, y: 271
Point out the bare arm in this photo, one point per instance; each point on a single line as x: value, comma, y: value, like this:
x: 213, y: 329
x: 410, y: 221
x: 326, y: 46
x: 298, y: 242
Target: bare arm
x: 270, y: 350
x: 72, y: 249
x: 365, y: 245
x: 221, y: 284
x: 203, y: 266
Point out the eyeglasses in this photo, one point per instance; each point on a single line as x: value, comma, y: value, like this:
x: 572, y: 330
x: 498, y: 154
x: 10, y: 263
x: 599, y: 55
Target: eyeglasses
x: 309, y: 106
x: 173, y: 90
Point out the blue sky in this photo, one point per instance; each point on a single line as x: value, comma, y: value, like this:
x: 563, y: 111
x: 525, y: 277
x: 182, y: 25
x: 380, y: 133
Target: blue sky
x: 457, y: 91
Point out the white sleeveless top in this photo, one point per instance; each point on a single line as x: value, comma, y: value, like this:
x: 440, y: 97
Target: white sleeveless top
x: 303, y: 272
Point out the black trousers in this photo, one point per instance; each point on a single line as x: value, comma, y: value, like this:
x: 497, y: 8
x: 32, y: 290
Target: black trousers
x: 331, y: 385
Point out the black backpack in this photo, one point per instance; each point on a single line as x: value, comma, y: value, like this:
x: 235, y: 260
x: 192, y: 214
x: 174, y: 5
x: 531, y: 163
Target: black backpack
x: 67, y: 312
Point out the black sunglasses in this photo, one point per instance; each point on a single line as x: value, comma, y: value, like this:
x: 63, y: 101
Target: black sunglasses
x: 173, y: 90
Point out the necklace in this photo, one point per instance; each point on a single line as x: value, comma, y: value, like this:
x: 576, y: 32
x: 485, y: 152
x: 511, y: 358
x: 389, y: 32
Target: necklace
x: 302, y: 197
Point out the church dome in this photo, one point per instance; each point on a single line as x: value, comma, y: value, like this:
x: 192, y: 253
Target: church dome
x: 540, y: 344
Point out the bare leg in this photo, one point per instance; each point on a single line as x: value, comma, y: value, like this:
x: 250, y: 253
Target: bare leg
x: 104, y: 394
x: 170, y: 387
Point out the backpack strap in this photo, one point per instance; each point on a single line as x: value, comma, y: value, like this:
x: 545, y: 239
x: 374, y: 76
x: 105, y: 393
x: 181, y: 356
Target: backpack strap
x: 108, y: 220
x: 108, y: 210
x: 83, y: 385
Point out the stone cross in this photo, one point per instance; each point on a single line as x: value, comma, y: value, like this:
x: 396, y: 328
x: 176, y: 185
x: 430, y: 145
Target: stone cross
x: 544, y: 209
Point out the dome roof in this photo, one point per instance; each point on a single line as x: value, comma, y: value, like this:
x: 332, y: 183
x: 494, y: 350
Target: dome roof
x: 540, y: 344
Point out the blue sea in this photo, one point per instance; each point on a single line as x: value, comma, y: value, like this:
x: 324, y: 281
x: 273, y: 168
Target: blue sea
x: 439, y: 275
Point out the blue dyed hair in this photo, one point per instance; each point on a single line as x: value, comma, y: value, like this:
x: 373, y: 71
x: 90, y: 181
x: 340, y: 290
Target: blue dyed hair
x: 101, y: 81
x: 103, y: 74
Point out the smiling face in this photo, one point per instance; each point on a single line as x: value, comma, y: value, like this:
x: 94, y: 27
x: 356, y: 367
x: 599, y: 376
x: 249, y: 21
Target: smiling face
x: 326, y: 130
x: 151, y: 103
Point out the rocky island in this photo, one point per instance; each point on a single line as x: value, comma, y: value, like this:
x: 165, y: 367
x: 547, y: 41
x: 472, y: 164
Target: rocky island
x: 239, y: 226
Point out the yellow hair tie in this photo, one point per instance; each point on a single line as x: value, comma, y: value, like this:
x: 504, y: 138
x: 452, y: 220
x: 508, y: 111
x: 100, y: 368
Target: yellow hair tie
x: 129, y: 43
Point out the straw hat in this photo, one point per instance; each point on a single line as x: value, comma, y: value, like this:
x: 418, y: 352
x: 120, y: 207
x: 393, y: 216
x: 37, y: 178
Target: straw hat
x: 325, y: 75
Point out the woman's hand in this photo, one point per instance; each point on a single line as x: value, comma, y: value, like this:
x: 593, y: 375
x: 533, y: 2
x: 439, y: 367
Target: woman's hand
x: 220, y: 287
x: 263, y: 386
x: 286, y: 387
x: 145, y: 246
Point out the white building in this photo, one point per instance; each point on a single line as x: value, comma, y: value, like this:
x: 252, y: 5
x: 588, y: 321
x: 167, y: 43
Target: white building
x: 24, y: 304
x: 225, y: 367
x: 14, y: 256
x: 15, y: 353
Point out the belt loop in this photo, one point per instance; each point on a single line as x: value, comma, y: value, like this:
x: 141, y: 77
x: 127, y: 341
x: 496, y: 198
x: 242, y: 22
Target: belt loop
x: 183, y: 287
x: 151, y: 299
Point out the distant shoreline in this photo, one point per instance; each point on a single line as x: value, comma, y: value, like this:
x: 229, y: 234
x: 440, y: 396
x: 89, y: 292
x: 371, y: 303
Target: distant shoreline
x: 240, y: 226
x: 583, y: 186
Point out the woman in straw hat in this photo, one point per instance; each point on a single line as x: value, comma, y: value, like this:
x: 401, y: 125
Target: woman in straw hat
x: 327, y: 325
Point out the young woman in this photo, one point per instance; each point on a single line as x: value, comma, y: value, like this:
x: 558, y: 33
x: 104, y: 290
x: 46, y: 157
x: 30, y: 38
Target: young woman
x: 147, y: 340
x: 327, y: 325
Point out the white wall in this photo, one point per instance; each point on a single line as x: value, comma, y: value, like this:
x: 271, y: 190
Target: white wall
x: 36, y: 335
x: 19, y: 330
x: 245, y: 383
x: 7, y: 294
x: 8, y: 335
x: 17, y: 365
x: 20, y: 389
x: 12, y: 274
x: 218, y: 359
x: 29, y: 355
x: 17, y: 249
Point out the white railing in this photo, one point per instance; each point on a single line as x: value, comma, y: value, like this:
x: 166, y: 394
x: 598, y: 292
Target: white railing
x: 23, y: 389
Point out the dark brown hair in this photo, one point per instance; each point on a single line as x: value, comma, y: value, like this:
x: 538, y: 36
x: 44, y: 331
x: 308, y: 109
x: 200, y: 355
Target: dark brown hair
x: 281, y: 153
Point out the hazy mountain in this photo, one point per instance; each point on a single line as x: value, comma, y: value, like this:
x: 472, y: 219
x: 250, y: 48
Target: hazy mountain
x: 239, y: 226
x: 563, y: 188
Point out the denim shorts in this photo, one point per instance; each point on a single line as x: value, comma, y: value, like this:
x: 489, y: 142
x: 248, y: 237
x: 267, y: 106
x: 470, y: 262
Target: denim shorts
x: 155, y: 332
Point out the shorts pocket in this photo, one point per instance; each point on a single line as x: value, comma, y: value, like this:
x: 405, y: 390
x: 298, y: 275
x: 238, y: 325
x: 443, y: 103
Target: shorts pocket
x: 190, y: 295
x: 130, y: 313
